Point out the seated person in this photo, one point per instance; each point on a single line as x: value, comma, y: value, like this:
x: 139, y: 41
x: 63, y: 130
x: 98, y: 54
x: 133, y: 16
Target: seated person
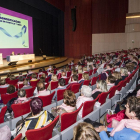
x: 40, y: 72
x: 36, y: 119
x: 124, y: 73
x: 85, y: 131
x: 49, y: 69
x: 63, y: 75
x: 3, y: 84
x: 117, y: 76
x: 29, y: 73
x: 80, y: 69
x: 110, y: 81
x: 86, y: 93
x: 74, y: 72
x: 26, y: 84
x: 101, y: 86
x: 74, y: 81
x: 118, y: 62
x: 20, y: 75
x: 126, y: 129
x: 61, y: 85
x: 21, y: 97
x: 108, y: 69
x: 34, y: 77
x: 50, y: 74
x: 85, y: 69
x: 85, y: 76
x: 53, y: 79
x: 20, y: 80
x: 11, y: 89
x: 69, y: 103
x: 12, y: 77
x: 42, y: 90
x: 8, y: 75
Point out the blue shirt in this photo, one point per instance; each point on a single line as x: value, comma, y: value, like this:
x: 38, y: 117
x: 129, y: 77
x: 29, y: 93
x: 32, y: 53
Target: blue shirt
x: 125, y: 134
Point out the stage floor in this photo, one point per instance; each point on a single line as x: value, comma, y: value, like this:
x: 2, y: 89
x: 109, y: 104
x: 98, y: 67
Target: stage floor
x: 57, y: 61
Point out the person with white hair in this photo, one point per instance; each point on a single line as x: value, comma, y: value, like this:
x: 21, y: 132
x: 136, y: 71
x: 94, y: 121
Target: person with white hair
x: 86, y: 95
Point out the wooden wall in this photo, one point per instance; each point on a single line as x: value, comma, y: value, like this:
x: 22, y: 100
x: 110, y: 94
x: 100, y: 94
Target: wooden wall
x: 60, y: 4
x: 134, y: 6
x: 79, y: 42
x: 108, y: 16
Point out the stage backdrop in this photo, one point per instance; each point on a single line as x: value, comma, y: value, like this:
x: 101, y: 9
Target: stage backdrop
x: 16, y: 32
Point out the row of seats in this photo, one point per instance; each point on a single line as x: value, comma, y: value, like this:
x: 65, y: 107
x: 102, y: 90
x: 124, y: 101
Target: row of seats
x: 94, y: 115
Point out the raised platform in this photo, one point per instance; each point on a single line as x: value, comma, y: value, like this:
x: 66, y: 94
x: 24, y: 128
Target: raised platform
x: 38, y: 63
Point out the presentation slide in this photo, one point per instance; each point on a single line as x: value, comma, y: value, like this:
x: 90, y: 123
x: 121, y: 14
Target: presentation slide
x: 16, y: 34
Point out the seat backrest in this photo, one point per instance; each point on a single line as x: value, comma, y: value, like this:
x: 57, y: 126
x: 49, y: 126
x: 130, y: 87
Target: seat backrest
x: 54, y: 84
x: 75, y: 87
x: 60, y: 93
x: 18, y: 137
x: 3, y: 90
x: 20, y: 86
x: 34, y: 83
x: 112, y: 91
x: 2, y: 113
x: 88, y: 107
x: 120, y: 85
x: 29, y: 92
x: 44, y: 133
x: 79, y: 76
x: 67, y: 80
x: 86, y: 82
x: 68, y: 73
x: 94, y: 71
x: 47, y: 79
x: 46, y: 86
x: 12, y: 82
x: 93, y: 81
x: 47, y: 99
x: 7, y: 97
x: 21, y: 109
x: 68, y: 119
x: 90, y: 72
x: 102, y: 98
x: 59, y: 76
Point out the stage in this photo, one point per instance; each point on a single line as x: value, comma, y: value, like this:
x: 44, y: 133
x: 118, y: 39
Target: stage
x: 34, y: 66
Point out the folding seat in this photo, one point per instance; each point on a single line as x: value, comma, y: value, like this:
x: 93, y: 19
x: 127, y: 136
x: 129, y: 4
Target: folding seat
x: 90, y: 72
x: 2, y: 113
x: 67, y: 80
x: 67, y: 119
x: 60, y: 93
x: 7, y: 97
x: 47, y: 99
x: 19, y: 86
x: 7, y: 79
x: 88, y: 107
x: 18, y: 137
x: 29, y: 92
x: 21, y: 109
x: 12, y: 82
x: 79, y: 76
x: 34, y: 83
x: 3, y: 90
x: 46, y: 86
x: 68, y: 74
x: 102, y: 98
x: 47, y: 79
x: 59, y: 76
x: 54, y: 84
x: 86, y: 82
x: 44, y: 133
x: 75, y: 88
x: 93, y: 82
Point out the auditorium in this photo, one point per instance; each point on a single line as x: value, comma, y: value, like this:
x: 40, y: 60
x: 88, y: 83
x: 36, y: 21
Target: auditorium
x: 69, y: 70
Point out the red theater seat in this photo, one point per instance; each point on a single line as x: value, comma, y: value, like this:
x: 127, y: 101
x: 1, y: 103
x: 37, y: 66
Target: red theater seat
x: 44, y: 133
x: 2, y: 113
x: 29, y: 92
x: 18, y: 137
x: 54, y: 84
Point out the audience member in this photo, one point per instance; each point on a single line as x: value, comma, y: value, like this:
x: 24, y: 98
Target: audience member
x: 86, y: 93
x: 26, y: 84
x: 110, y: 81
x: 74, y: 80
x: 101, y: 86
x: 3, y: 84
x: 53, y: 79
x: 117, y: 76
x: 34, y: 77
x: 124, y: 73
